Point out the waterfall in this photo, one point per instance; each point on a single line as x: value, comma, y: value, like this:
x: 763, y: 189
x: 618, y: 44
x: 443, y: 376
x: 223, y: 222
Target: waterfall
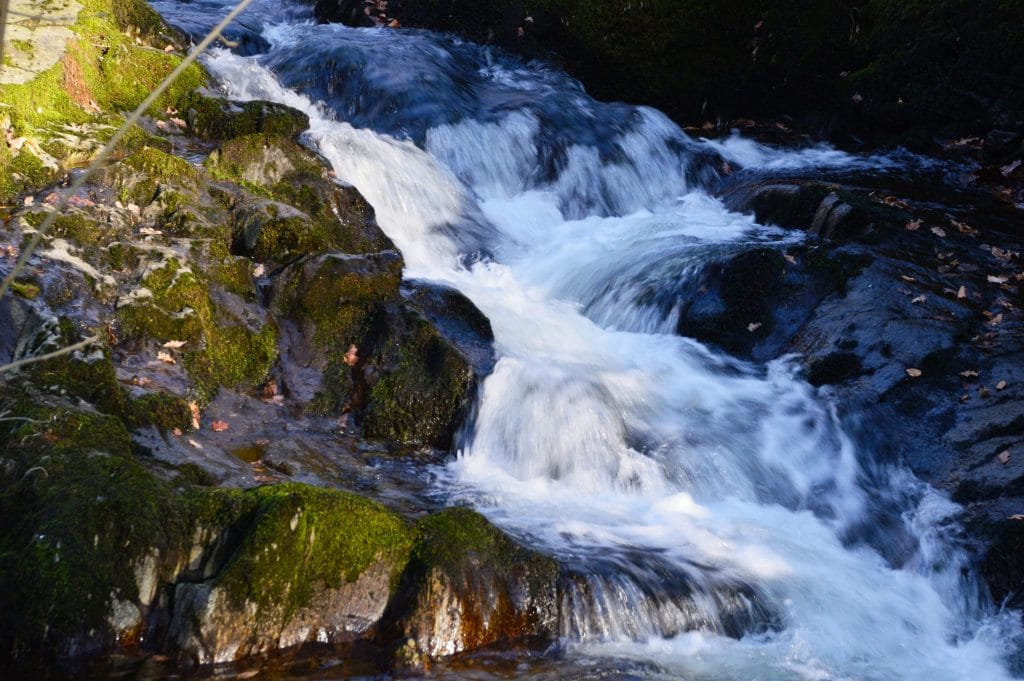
x: 714, y: 509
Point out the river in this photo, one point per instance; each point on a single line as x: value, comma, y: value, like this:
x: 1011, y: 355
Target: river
x: 715, y: 508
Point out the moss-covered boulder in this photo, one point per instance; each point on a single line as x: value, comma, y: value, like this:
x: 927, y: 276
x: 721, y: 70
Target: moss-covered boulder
x: 323, y: 214
x: 468, y: 585
x: 174, y: 303
x: 220, y: 119
x: 90, y: 533
x: 310, y: 565
x: 425, y: 386
x: 374, y: 357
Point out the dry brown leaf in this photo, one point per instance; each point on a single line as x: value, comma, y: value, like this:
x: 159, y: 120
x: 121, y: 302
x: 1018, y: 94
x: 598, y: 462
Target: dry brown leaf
x: 913, y: 225
x: 962, y: 293
x: 938, y: 231
x: 352, y: 356
x: 176, y: 431
x: 165, y: 357
x: 1004, y: 457
x: 790, y: 259
x: 194, y: 443
x: 174, y: 344
x: 906, y: 278
x: 914, y: 373
x: 193, y: 408
x: 219, y: 426
x: 969, y: 374
x: 992, y: 279
x: 259, y: 270
x: 918, y: 300
x: 1001, y: 385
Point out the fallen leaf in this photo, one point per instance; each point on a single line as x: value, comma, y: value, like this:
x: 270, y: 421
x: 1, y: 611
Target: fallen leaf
x: 964, y: 228
x: 790, y: 259
x: 270, y: 389
x: 174, y: 344
x: 906, y: 278
x: 969, y: 374
x: 29, y: 200
x: 165, y: 357
x: 992, y: 279
x: 176, y: 431
x: 169, y: 48
x: 919, y: 299
x: 996, y: 320
x: 219, y: 426
x: 914, y: 373
x: 352, y: 356
x: 938, y: 231
x: 962, y: 293
x: 179, y: 122
x: 913, y: 225
x: 193, y: 407
x: 259, y: 270
x: 1004, y: 457
x: 754, y: 326
x: 194, y: 443
x: 1001, y: 385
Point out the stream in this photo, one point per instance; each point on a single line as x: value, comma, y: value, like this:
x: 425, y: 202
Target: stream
x: 714, y: 509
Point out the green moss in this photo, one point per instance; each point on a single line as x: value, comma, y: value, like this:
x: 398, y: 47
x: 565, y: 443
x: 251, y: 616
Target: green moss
x: 79, y: 513
x: 221, y: 354
x: 422, y: 400
x: 163, y: 410
x: 106, y: 70
x: 301, y: 538
x: 25, y: 289
x: 217, y: 119
x: 176, y: 311
x: 234, y: 356
x: 90, y: 377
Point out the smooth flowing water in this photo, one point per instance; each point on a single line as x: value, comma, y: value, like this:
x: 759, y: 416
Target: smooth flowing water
x: 717, y: 512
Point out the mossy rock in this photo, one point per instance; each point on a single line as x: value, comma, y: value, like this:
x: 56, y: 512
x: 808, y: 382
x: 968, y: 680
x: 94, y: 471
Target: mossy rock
x: 87, y: 375
x: 468, y: 585
x: 336, y: 297
x: 103, y: 73
x: 162, y: 410
x: 423, y: 396
x: 87, y: 528
x: 309, y: 563
x: 221, y: 120
x: 277, y: 168
x: 174, y: 303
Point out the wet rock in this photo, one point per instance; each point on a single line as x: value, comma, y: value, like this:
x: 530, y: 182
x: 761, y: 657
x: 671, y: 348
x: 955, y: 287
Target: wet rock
x: 403, y: 380
x: 468, y: 586
x: 220, y: 119
x: 337, y: 217
x: 1002, y: 560
x: 311, y: 565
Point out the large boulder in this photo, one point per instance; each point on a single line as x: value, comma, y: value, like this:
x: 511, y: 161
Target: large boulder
x: 468, y: 585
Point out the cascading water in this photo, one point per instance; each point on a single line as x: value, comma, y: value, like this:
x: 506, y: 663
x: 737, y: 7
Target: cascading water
x: 714, y: 510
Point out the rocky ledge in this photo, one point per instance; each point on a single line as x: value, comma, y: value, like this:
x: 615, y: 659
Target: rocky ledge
x: 197, y: 483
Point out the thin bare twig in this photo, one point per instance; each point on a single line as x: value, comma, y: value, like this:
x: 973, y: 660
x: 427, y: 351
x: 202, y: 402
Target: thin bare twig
x: 96, y: 163
x: 50, y: 355
x: 3, y: 28
x: 101, y: 157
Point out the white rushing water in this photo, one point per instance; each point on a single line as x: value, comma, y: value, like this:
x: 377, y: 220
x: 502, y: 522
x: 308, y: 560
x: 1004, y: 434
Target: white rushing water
x: 716, y: 508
